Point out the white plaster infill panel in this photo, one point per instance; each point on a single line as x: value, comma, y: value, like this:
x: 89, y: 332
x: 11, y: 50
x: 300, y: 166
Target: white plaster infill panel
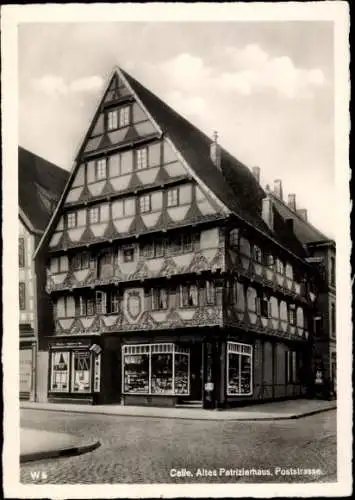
x: 87, y: 322
x: 123, y: 225
x: 264, y: 321
x: 210, y: 254
x: 76, y: 234
x: 55, y: 239
x: 148, y: 175
x: 74, y: 194
x: 253, y: 317
x: 205, y: 208
x: 178, y: 213
x: 184, y: 260
x: 110, y: 320
x: 175, y: 169
x: 81, y: 275
x: 96, y: 188
x: 150, y: 220
x: 154, y: 265
x: 58, y: 278
x: 98, y: 230
x: 275, y: 323
x: 121, y: 183
x: 159, y: 316
x: 66, y: 323
x: 187, y: 314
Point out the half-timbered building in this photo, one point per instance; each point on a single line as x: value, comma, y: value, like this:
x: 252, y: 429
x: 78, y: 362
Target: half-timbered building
x: 173, y: 277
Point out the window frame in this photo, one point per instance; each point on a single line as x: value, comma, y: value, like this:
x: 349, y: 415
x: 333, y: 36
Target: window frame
x: 71, y: 219
x: 257, y: 254
x: 124, y: 111
x: 111, y: 113
x: 22, y: 296
x: 95, y: 209
x: 240, y: 350
x: 157, y: 302
x: 332, y: 271
x: 174, y: 202
x: 292, y: 309
x: 79, y: 258
x: 99, y: 163
x: 141, y: 153
x: 143, y: 198
x: 128, y: 249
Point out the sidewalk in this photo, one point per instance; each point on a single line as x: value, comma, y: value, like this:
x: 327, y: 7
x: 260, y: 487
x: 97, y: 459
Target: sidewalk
x: 280, y: 410
x: 37, y: 444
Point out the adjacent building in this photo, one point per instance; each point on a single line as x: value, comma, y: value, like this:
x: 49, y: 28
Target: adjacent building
x: 322, y: 255
x: 173, y: 276
x: 40, y: 184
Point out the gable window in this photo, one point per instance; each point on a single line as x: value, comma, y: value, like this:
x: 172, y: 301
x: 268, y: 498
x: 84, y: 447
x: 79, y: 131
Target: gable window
x: 22, y: 295
x: 145, y: 204
x: 21, y: 251
x: 100, y: 169
x: 189, y: 296
x: 124, y: 116
x: 159, y: 299
x: 72, y: 220
x: 80, y: 261
x: 128, y: 254
x: 257, y: 254
x: 141, y: 158
x: 94, y: 215
x: 112, y: 119
x: 292, y: 315
x: 173, y: 197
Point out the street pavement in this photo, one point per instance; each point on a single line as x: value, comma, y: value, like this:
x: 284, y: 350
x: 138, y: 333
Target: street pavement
x: 151, y: 450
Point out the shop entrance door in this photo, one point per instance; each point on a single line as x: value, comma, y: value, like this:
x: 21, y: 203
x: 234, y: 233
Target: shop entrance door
x: 196, y: 373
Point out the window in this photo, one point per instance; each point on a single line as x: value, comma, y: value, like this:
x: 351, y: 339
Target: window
x: 80, y: 261
x: 292, y: 315
x: 189, y: 296
x: 72, y: 220
x: 124, y: 116
x: 21, y: 251
x: 90, y: 307
x: 113, y: 302
x: 22, y: 295
x: 81, y: 371
x: 210, y: 293
x: 100, y: 169
x: 270, y: 260
x: 155, y: 369
x: 112, y: 119
x: 129, y: 207
x: 257, y: 255
x: 234, y: 238
x: 142, y: 158
x: 264, y: 307
x: 173, y: 197
x: 186, y: 242
x: 100, y: 303
x: 145, y: 204
x: 239, y: 369
x: 159, y: 299
x: 94, y: 215
x: 80, y: 306
x: 105, y: 264
x: 59, y: 372
x: 332, y: 271
x: 279, y: 266
x: 153, y: 249
x: 128, y: 254
x: 333, y: 318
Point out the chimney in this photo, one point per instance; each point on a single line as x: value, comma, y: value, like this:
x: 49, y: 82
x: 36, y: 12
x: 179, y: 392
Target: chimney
x: 215, y: 151
x: 256, y: 173
x: 267, y: 212
x: 278, y: 188
x: 292, y: 202
x: 302, y: 212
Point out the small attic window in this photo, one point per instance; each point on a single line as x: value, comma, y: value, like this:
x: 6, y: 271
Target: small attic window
x: 112, y: 119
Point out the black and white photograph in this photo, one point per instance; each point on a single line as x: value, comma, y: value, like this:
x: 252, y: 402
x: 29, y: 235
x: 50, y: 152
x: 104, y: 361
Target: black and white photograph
x: 176, y: 213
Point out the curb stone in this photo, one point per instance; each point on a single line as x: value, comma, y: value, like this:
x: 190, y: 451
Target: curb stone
x: 63, y: 452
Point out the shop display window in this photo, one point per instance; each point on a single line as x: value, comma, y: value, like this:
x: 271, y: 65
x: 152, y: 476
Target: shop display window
x: 81, y: 371
x: 155, y: 369
x: 60, y: 372
x: 239, y: 369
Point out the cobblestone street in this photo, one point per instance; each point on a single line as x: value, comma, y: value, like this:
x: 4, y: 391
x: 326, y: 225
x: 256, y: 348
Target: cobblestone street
x: 142, y: 450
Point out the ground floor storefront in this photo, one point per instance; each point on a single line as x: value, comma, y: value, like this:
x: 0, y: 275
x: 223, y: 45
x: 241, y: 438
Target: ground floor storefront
x: 213, y: 369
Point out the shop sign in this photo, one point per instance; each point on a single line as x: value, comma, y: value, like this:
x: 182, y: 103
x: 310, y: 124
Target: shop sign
x: 61, y: 345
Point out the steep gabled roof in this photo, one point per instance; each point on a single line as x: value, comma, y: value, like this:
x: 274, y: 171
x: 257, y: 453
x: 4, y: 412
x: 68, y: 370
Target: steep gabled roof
x: 40, y: 184
x: 304, y: 230
x: 234, y: 185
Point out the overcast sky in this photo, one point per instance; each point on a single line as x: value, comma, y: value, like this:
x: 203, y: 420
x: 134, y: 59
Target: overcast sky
x: 266, y: 87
